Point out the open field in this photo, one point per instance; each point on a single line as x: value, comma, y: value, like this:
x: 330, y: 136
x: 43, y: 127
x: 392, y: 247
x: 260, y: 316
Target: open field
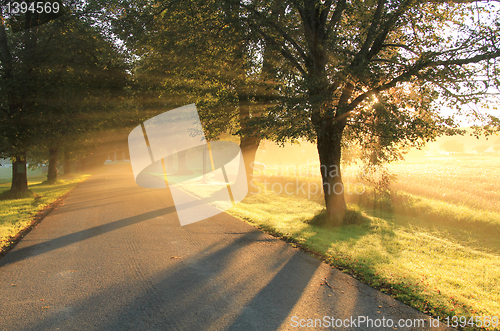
x: 465, y: 181
x: 435, y: 245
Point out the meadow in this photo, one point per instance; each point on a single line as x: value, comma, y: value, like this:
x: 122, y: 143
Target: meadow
x: 432, y: 242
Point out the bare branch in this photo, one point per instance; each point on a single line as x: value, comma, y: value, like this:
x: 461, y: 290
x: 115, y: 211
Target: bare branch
x: 475, y: 59
x: 372, y: 30
x: 393, y: 18
x: 337, y: 14
x: 414, y: 71
x: 278, y: 29
x: 400, y: 45
x: 283, y: 50
x: 388, y: 61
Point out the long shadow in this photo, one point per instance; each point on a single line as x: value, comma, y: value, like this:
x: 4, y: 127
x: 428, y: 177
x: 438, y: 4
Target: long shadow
x: 209, y: 291
x: 91, y: 203
x: 273, y: 303
x: 47, y: 246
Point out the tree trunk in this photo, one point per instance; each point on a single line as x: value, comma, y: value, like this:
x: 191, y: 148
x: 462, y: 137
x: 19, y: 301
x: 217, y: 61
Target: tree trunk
x: 67, y: 163
x: 249, y: 138
x: 52, y: 173
x: 249, y: 146
x: 19, y: 174
x: 329, y: 149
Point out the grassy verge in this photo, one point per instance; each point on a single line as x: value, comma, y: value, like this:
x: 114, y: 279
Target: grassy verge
x: 440, y: 258
x: 18, y: 214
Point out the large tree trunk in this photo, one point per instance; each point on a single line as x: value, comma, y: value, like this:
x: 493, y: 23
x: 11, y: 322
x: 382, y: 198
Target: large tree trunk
x: 67, y: 163
x: 329, y: 130
x: 19, y: 174
x: 249, y: 146
x: 329, y: 149
x: 52, y: 173
x: 249, y: 141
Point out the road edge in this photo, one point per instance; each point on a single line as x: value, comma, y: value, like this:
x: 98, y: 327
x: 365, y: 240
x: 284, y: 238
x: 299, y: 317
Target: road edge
x: 37, y: 218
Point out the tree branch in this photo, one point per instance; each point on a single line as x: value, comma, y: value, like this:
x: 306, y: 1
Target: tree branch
x: 283, y: 50
x: 278, y: 29
x: 337, y: 14
x: 372, y: 30
x: 475, y: 59
x: 419, y: 65
x: 379, y: 40
x: 399, y: 45
x: 388, y: 61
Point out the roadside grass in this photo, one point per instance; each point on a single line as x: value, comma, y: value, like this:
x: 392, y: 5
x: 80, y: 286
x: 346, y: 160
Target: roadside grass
x: 441, y: 258
x: 17, y: 214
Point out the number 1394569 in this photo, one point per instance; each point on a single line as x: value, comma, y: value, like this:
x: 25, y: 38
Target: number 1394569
x: 34, y: 7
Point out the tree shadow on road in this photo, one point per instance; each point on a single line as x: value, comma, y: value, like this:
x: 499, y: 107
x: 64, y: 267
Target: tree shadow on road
x: 56, y: 243
x: 239, y: 286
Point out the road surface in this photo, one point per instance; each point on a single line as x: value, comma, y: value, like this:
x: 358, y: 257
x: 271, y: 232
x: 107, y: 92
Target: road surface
x: 114, y: 257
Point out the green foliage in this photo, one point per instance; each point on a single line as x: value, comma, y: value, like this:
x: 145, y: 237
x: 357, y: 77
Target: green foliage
x: 353, y: 216
x: 399, y: 57
x: 60, y: 88
x: 373, y: 73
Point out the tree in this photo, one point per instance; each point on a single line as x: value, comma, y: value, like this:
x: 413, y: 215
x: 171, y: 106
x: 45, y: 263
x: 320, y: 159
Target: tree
x: 65, y: 77
x: 81, y: 82
x: 199, y: 52
x: 371, y: 71
x: 18, y: 57
x: 452, y: 146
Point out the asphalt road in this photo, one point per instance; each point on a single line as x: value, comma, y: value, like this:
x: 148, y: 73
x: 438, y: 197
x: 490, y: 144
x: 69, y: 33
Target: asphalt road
x: 114, y: 257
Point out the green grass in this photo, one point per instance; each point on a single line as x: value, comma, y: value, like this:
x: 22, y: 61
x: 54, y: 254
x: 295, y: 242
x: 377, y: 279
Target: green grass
x: 440, y: 257
x: 17, y: 214
x: 6, y: 174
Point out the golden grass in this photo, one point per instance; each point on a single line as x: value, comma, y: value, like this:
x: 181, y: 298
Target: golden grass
x: 469, y: 181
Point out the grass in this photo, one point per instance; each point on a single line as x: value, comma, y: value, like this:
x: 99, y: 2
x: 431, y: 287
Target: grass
x: 465, y: 181
x: 6, y: 174
x: 440, y: 256
x: 17, y: 214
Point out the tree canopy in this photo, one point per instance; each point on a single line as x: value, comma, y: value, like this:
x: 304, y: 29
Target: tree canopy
x: 61, y: 79
x: 373, y: 73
